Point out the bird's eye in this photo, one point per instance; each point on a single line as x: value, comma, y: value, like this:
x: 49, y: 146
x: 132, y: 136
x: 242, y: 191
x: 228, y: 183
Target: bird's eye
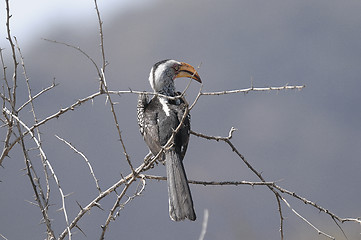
x: 176, y: 67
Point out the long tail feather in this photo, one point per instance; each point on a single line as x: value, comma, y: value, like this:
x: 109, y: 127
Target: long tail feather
x: 180, y: 198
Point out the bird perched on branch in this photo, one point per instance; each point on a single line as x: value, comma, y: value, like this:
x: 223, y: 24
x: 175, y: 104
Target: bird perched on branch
x: 164, y: 119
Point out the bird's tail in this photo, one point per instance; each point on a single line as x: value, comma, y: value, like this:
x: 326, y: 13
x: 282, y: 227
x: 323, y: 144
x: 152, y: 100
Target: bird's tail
x: 180, y: 198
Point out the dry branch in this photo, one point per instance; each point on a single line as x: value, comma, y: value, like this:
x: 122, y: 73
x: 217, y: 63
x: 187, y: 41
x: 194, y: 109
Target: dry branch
x: 204, y: 224
x: 42, y: 153
x: 251, y: 89
x: 85, y: 158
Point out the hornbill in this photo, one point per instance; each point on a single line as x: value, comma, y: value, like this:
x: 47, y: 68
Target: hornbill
x: 158, y: 119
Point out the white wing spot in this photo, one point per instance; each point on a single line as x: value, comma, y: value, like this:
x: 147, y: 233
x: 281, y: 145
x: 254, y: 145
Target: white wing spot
x: 165, y: 106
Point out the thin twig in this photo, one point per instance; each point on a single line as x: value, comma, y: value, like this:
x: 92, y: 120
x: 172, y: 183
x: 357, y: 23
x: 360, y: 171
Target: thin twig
x: 49, y: 165
x: 79, y: 50
x: 12, y: 96
x: 115, y: 118
x: 204, y: 224
x: 305, y: 220
x: 326, y: 211
x: 3, y: 237
x: 30, y: 169
x: 85, y: 158
x: 103, y: 88
x: 115, y: 206
x: 90, y: 97
x: 275, y: 187
x: 112, y: 215
x: 7, y: 146
x: 251, y: 89
x: 140, y: 188
x: 100, y: 22
x: 339, y: 226
x: 8, y: 87
x: 37, y: 95
x: 45, y: 197
x: 281, y: 215
x: 197, y: 97
x: 6, y: 120
x: 234, y: 149
x: 95, y: 201
x: 213, y: 183
x: 64, y: 110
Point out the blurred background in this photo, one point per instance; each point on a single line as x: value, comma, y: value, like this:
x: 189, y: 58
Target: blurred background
x: 309, y: 141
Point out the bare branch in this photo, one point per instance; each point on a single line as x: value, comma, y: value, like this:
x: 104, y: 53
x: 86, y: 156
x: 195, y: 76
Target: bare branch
x: 115, y: 206
x: 12, y: 96
x: 8, y: 88
x: 7, y: 147
x: 95, y: 202
x: 244, y: 90
x: 49, y: 165
x: 64, y: 110
x: 3, y: 237
x: 140, y: 188
x: 281, y: 215
x: 234, y: 149
x: 306, y: 201
x: 197, y: 97
x: 37, y: 95
x: 100, y: 22
x: 55, y: 115
x: 204, y: 224
x: 45, y: 197
x: 274, y: 188
x: 247, y: 90
x: 30, y: 169
x: 115, y: 118
x: 214, y: 183
x: 112, y: 215
x: 85, y: 158
x: 79, y: 50
x: 305, y: 220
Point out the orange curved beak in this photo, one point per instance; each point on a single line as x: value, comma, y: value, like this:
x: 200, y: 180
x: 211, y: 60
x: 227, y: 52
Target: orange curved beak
x: 188, y: 71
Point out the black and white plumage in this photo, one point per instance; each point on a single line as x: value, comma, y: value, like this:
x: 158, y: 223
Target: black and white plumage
x: 157, y: 120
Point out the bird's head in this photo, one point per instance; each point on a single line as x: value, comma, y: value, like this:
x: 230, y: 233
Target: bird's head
x: 163, y: 74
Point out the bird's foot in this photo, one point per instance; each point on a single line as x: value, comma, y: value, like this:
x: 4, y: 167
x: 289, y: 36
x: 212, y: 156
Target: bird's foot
x: 148, y: 161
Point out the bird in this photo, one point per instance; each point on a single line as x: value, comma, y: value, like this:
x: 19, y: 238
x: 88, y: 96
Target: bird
x: 158, y: 119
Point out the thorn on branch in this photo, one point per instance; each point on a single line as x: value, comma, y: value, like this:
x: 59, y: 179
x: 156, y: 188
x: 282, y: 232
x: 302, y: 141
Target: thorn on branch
x: 80, y: 230
x: 98, y: 206
x: 81, y: 208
